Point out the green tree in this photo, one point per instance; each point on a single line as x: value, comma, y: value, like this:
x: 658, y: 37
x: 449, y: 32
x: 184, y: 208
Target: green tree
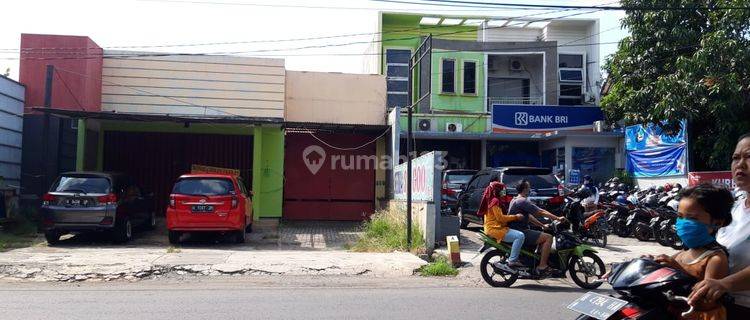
x: 685, y: 64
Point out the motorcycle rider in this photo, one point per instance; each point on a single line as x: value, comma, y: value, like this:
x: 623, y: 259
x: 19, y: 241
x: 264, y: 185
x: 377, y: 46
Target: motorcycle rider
x: 593, y: 199
x: 496, y: 222
x: 522, y: 205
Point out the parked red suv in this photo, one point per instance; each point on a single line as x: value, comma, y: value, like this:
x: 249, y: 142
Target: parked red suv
x: 209, y: 202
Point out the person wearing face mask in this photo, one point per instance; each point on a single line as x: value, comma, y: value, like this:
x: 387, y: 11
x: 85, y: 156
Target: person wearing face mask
x: 496, y: 222
x: 736, y: 238
x: 702, y: 211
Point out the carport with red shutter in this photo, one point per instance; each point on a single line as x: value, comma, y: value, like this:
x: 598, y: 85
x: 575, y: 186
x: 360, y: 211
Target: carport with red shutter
x: 330, y: 175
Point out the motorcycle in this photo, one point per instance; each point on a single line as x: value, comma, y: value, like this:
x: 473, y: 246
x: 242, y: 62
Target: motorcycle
x: 593, y: 228
x: 647, y: 290
x: 569, y: 254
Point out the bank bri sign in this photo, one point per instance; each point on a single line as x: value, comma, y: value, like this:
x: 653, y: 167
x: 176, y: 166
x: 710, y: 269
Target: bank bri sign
x: 542, y: 119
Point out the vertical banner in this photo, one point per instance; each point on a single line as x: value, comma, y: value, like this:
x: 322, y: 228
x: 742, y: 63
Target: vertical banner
x: 653, y: 153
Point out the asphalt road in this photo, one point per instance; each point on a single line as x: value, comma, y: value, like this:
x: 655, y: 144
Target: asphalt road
x: 408, y: 298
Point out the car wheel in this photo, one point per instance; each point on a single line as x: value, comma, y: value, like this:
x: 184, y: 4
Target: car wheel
x: 123, y: 231
x: 240, y: 236
x: 174, y: 237
x: 462, y: 222
x: 52, y: 236
x: 151, y: 221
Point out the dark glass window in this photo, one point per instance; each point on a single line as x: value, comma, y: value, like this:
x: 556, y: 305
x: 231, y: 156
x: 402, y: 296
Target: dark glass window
x: 570, y: 90
x: 398, y: 86
x: 398, y: 71
x: 81, y: 185
x: 570, y: 61
x: 470, y: 77
x: 397, y: 56
x: 570, y: 101
x: 203, y: 186
x: 395, y: 100
x: 571, y: 75
x: 449, y: 76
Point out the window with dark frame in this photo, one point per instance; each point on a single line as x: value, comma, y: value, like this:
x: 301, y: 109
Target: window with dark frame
x: 448, y: 76
x: 397, y: 77
x: 470, y: 77
x: 571, y: 75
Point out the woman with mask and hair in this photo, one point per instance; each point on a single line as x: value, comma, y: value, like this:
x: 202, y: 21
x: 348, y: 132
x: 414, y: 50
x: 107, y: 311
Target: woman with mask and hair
x: 736, y: 238
x: 496, y: 222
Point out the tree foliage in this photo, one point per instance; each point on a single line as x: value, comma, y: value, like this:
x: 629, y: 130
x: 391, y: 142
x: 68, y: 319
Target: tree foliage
x: 685, y: 64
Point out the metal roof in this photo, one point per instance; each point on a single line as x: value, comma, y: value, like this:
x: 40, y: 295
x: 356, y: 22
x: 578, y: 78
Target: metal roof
x: 151, y: 117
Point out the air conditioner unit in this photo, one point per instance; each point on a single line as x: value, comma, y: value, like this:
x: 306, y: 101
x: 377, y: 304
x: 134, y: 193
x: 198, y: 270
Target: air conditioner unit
x: 454, y: 127
x: 515, y: 64
x: 425, y: 125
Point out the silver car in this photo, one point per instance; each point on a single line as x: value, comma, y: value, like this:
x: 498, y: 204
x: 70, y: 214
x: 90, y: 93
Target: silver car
x: 95, y: 201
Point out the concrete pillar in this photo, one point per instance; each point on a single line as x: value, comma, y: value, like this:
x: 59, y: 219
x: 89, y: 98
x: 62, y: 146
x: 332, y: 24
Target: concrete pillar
x: 81, y: 145
x: 568, y: 158
x: 483, y: 144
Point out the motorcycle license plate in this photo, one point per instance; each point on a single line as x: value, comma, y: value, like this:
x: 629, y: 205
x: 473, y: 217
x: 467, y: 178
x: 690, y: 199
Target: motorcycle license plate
x: 597, y: 305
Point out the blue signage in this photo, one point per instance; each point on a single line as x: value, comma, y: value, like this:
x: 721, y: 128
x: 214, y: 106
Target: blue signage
x: 653, y: 153
x: 641, y: 137
x: 542, y: 119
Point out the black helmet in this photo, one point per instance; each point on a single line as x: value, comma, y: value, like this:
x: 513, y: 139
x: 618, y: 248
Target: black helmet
x: 622, y: 187
x: 677, y: 186
x: 660, y: 189
x: 616, y: 180
x: 583, y: 192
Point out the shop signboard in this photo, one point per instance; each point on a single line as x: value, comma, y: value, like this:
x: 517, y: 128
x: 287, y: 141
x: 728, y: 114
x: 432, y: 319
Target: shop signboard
x: 424, y: 179
x: 543, y: 119
x: 653, y: 153
x: 717, y: 178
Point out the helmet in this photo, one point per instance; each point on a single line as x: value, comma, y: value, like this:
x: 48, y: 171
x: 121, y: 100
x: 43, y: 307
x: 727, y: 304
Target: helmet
x: 622, y: 187
x: 587, y: 178
x: 668, y: 187
x: 678, y: 186
x: 616, y: 180
x: 660, y: 189
x: 583, y: 192
x: 621, y: 199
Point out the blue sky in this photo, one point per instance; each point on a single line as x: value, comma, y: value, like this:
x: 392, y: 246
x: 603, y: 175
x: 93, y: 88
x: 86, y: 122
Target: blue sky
x: 112, y: 23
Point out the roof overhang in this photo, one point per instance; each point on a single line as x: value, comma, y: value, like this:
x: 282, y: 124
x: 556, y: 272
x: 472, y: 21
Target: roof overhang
x: 511, y: 136
x: 151, y: 117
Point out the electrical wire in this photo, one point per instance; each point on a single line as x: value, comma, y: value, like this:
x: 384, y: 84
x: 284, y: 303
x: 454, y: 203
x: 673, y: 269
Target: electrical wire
x: 65, y: 84
x: 458, y: 3
x: 349, y: 148
x: 323, y: 45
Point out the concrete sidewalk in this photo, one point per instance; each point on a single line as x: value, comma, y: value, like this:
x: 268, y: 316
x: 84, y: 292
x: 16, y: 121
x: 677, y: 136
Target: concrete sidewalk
x: 79, y: 264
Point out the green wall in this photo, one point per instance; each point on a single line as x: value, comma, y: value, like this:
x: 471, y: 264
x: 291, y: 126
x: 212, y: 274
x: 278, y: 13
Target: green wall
x: 268, y: 172
x: 457, y: 101
x: 404, y: 31
x: 476, y: 123
x: 268, y: 155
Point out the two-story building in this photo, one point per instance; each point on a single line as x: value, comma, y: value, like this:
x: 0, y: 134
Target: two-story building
x: 499, y: 91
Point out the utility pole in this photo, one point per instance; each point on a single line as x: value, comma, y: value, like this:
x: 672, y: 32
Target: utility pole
x: 415, y: 60
x: 45, y: 159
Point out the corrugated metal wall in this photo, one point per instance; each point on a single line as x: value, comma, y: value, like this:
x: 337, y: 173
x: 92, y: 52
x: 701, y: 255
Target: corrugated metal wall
x: 344, y: 186
x: 213, y: 85
x: 155, y: 160
x: 11, y: 128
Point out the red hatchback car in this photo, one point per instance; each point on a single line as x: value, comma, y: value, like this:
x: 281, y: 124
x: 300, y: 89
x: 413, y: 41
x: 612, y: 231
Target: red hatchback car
x: 209, y: 202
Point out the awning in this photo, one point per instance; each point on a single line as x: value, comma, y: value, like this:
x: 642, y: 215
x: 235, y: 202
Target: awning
x: 510, y: 136
x: 182, y: 118
x: 152, y: 117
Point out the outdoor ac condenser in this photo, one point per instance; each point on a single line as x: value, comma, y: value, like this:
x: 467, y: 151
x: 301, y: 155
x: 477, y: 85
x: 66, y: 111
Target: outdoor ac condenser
x: 454, y: 127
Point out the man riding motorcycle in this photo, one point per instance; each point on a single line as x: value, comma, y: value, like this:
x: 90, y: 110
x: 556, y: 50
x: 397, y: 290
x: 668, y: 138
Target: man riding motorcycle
x: 522, y: 205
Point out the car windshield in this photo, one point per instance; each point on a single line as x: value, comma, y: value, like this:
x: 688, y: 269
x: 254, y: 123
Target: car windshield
x: 536, y: 181
x: 79, y: 184
x: 459, y: 178
x: 204, y: 186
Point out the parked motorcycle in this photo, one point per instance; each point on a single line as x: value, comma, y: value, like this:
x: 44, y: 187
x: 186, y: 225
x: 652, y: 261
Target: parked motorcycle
x: 647, y: 290
x: 590, y: 226
x: 569, y: 254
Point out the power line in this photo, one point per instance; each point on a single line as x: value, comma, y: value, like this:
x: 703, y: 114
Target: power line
x: 549, y: 6
x: 315, y: 46
x: 80, y: 106
x: 420, y: 28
